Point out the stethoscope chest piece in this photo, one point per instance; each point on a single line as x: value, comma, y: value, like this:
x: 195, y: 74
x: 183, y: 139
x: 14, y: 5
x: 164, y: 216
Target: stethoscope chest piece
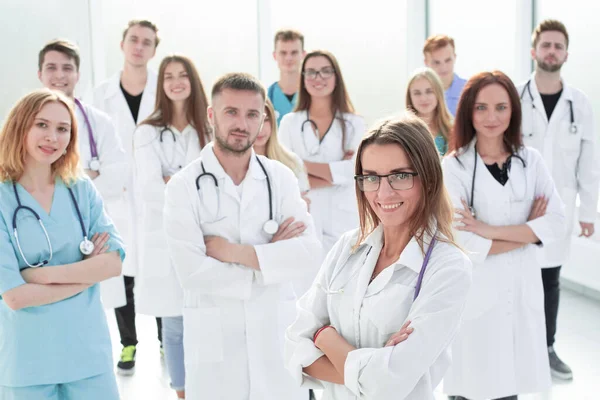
x: 271, y: 227
x: 95, y: 164
x: 573, y: 129
x: 86, y: 246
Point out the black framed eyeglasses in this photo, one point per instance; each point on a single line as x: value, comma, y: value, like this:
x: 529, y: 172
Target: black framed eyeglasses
x: 326, y: 73
x: 397, y: 181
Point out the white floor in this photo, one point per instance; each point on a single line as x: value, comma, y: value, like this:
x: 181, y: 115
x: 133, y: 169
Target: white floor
x: 578, y: 344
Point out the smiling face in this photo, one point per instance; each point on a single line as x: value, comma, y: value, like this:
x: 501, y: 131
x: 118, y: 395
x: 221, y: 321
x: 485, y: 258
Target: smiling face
x: 319, y: 76
x: 49, y: 136
x: 492, y: 111
x: 265, y: 133
x: 176, y: 82
x: 423, y: 96
x: 59, y: 72
x: 237, y: 117
x: 394, y: 208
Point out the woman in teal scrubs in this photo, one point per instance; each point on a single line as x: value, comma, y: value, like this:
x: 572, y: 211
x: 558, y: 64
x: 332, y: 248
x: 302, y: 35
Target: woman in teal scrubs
x: 54, y: 339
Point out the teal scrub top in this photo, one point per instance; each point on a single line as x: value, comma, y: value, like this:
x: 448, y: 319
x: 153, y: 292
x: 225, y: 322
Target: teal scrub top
x: 280, y: 101
x: 64, y: 341
x: 441, y: 144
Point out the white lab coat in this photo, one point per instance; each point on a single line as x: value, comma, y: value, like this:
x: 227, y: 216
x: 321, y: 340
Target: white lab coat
x: 110, y: 183
x: 573, y: 159
x: 367, y: 315
x: 109, y: 98
x: 158, y: 292
x: 501, y: 348
x: 235, y: 317
x: 333, y: 208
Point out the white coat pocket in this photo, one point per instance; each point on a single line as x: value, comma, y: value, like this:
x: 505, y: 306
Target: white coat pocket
x: 202, y: 335
x: 390, y: 308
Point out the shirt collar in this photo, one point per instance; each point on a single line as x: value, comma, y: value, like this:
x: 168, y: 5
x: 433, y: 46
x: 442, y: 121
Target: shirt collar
x: 567, y: 94
x: 212, y: 164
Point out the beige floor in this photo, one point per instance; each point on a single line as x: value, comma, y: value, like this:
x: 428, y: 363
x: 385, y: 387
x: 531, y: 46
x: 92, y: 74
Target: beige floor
x: 578, y: 343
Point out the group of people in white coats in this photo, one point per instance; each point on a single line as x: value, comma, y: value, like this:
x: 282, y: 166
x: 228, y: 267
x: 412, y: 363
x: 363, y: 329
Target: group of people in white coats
x: 429, y: 269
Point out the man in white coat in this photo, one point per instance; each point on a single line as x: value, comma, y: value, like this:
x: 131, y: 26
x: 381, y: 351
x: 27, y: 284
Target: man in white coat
x: 558, y: 121
x: 128, y: 97
x: 100, y: 149
x: 239, y: 235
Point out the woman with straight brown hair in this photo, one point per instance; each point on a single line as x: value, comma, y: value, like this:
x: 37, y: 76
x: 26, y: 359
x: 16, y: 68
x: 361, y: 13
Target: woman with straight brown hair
x: 169, y: 139
x: 56, y: 244
x: 506, y: 205
x: 381, y: 314
x: 324, y: 132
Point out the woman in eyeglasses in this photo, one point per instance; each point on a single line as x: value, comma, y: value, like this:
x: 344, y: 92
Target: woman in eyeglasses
x: 324, y: 131
x: 379, y: 319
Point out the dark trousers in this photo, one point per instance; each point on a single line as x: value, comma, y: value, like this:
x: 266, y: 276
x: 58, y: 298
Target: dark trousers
x: 551, y: 280
x: 126, y: 317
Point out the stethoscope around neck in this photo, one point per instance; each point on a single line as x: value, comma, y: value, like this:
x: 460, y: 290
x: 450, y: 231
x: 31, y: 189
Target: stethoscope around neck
x: 161, y: 141
x: 472, y: 198
x: 271, y: 226
x: 313, y: 125
x: 94, y: 163
x: 86, y: 247
x: 572, y: 127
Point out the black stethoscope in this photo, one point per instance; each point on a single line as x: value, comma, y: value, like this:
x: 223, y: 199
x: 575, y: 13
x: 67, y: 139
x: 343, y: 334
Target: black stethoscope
x: 270, y: 227
x: 572, y: 128
x: 161, y: 140
x: 86, y: 247
x: 313, y: 125
x: 471, y: 207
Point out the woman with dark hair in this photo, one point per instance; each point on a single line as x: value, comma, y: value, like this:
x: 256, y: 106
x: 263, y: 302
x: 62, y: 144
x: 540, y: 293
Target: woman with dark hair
x: 324, y: 131
x: 169, y: 139
x: 506, y: 205
x: 401, y: 267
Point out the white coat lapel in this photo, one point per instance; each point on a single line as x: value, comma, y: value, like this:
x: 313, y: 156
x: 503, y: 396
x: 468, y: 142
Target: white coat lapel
x: 256, y: 182
x: 148, y: 97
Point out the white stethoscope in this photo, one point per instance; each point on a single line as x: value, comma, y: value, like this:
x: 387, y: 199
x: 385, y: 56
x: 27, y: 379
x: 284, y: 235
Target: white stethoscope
x: 471, y: 200
x: 94, y: 164
x: 86, y: 247
x: 572, y: 127
x: 329, y: 291
x: 170, y: 162
x: 270, y: 227
x: 315, y: 149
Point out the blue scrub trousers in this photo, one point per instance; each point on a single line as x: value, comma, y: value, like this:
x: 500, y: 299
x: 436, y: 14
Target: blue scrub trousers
x: 99, y: 387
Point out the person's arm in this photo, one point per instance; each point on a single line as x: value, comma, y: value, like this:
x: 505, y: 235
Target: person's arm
x: 280, y: 260
x: 588, y: 170
x: 149, y: 182
x: 456, y: 178
x: 114, y: 169
x: 316, y: 183
x: 502, y: 246
x: 195, y: 269
x: 34, y: 295
x: 87, y: 272
x: 393, y: 372
x: 303, y: 359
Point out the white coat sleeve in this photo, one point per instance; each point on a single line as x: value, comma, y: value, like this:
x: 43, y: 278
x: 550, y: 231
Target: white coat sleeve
x: 291, y: 259
x: 552, y: 225
x: 477, y: 247
x: 312, y: 314
x: 114, y: 168
x: 588, y: 168
x: 149, y: 183
x: 342, y: 171
x: 301, y: 174
x: 195, y: 270
x: 393, y: 372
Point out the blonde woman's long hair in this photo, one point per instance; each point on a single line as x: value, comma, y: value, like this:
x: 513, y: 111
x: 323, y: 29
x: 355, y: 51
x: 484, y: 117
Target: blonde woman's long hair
x: 274, y: 149
x: 13, y: 137
x: 434, y: 212
x: 442, y: 117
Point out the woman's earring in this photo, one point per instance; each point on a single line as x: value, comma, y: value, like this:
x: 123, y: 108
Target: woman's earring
x: 65, y: 152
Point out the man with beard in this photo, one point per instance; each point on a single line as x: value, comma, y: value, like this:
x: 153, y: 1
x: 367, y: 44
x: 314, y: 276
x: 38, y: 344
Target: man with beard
x: 239, y: 234
x: 558, y: 122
